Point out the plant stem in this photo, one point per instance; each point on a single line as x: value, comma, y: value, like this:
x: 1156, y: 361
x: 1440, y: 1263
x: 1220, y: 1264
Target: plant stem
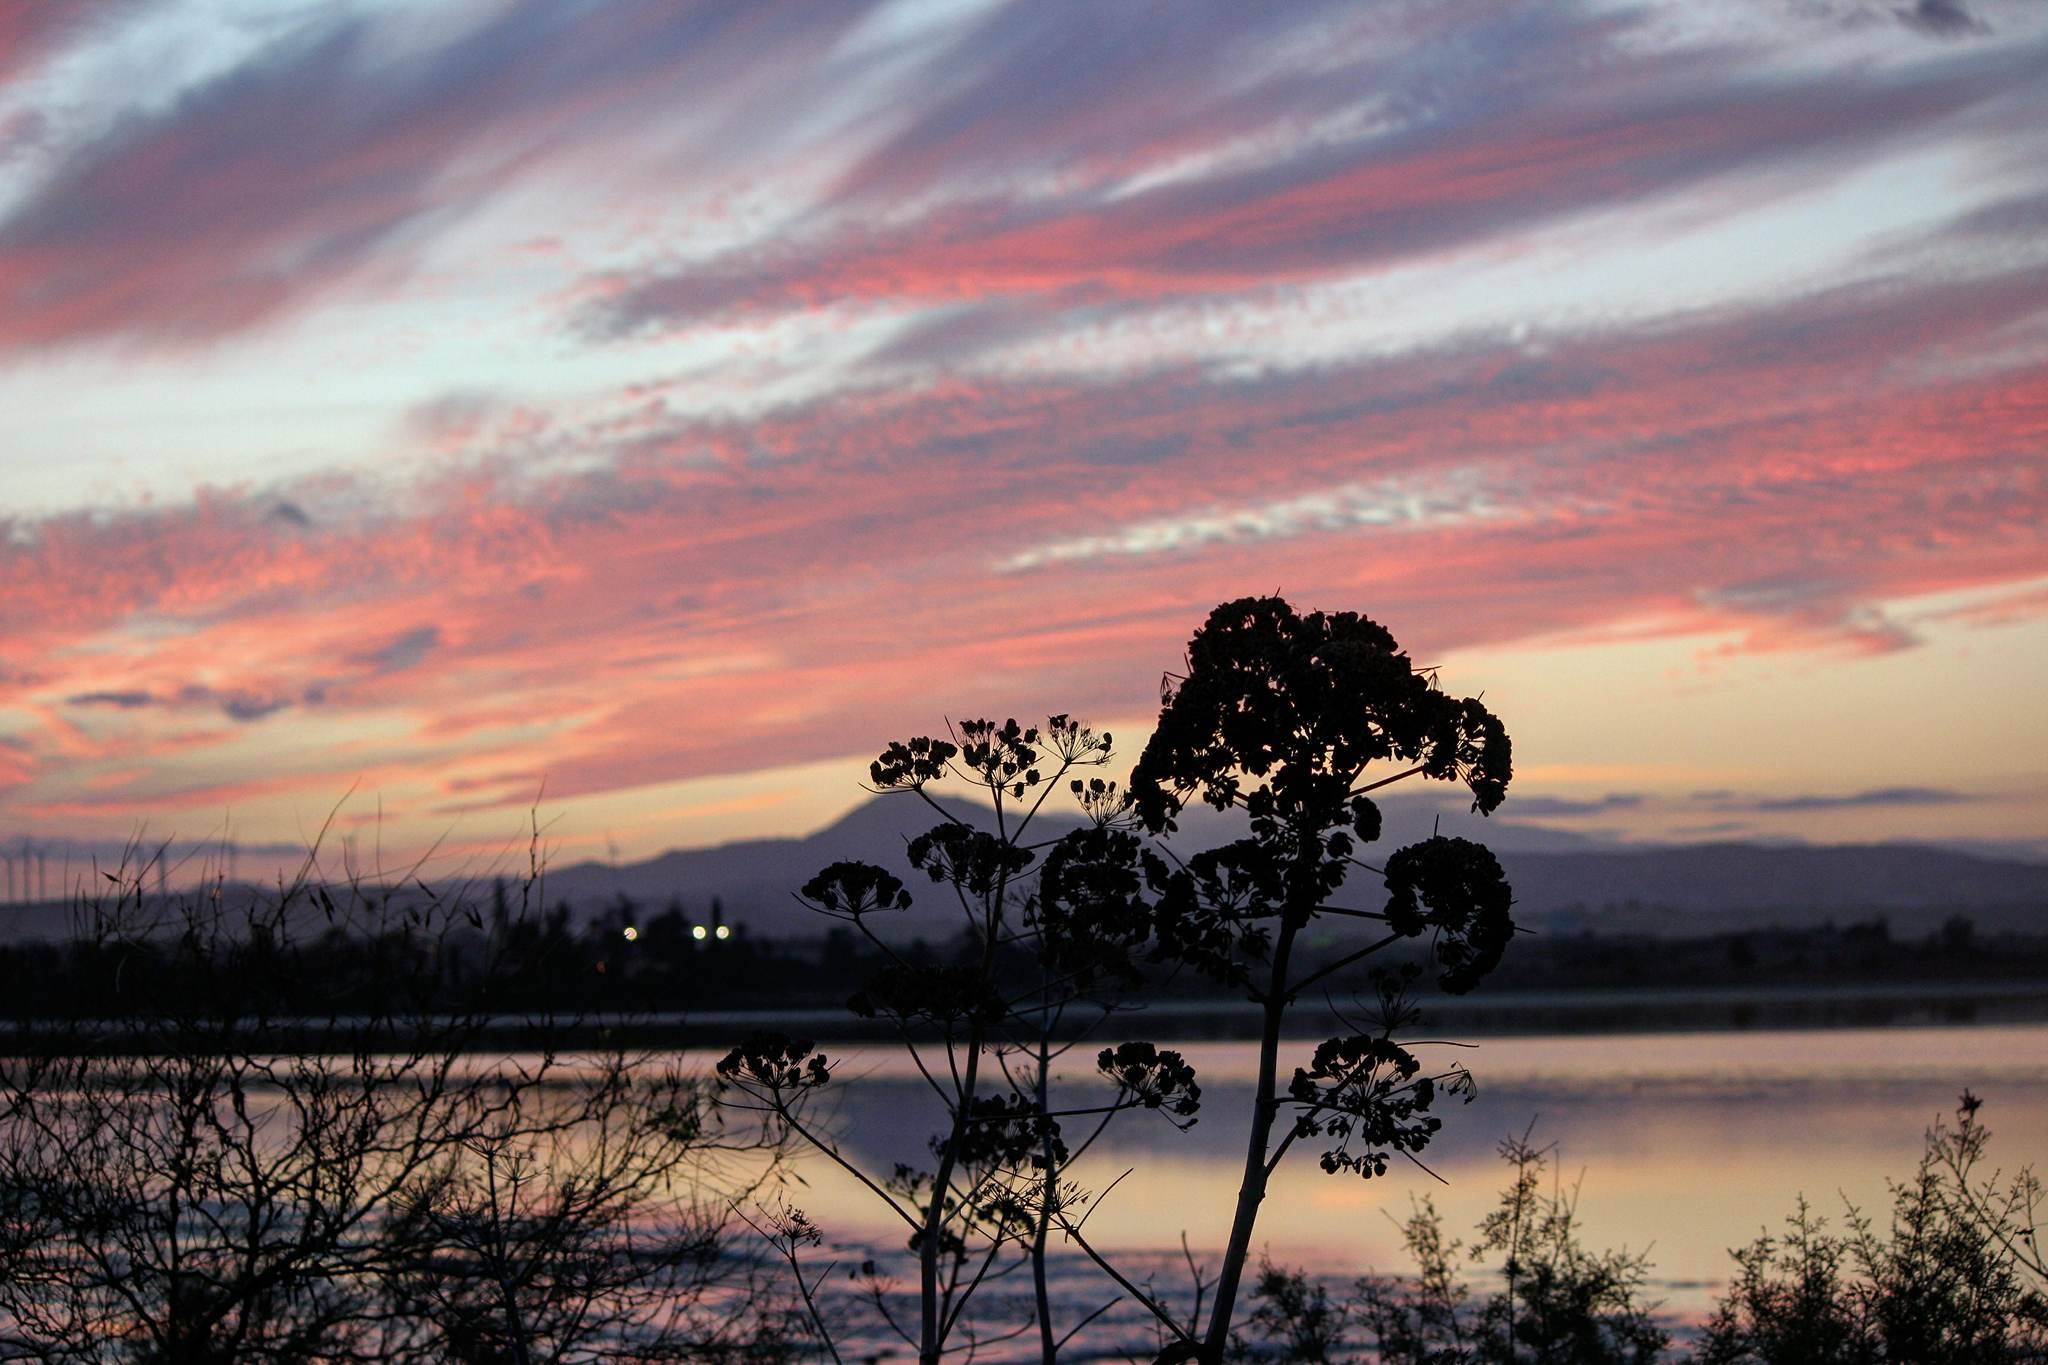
x: 1049, y: 1348
x: 929, y: 1347
x: 1251, y: 1191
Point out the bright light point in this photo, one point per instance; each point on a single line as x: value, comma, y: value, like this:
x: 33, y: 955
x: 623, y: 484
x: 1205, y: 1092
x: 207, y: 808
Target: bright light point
x: 632, y: 933
x: 725, y: 931
x: 698, y: 932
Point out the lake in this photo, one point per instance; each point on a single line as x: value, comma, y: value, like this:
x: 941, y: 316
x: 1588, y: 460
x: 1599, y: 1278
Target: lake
x: 1685, y: 1144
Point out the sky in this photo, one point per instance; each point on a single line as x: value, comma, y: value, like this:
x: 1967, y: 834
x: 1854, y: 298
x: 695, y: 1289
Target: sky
x: 426, y: 419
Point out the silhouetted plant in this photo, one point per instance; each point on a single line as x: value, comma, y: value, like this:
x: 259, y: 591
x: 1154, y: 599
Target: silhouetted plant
x: 1295, y: 1319
x: 1279, y: 716
x: 176, y: 1188
x: 1560, y: 1303
x: 588, y: 1228
x: 1282, y: 716
x: 1956, y: 1279
x: 986, y: 1030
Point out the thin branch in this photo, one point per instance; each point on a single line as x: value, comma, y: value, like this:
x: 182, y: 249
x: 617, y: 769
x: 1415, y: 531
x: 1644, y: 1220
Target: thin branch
x: 1076, y: 1329
x: 1341, y: 963
x: 829, y: 1150
x: 1166, y: 1318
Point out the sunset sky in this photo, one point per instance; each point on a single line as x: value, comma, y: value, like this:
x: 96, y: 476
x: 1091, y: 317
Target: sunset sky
x: 670, y: 403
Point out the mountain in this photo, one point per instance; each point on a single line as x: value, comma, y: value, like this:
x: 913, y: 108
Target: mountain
x: 1703, y: 888
x: 1562, y: 881
x: 756, y: 879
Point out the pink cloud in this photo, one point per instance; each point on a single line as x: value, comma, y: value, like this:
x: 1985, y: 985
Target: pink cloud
x: 332, y: 155
x: 701, y: 595
x: 666, y: 617
x: 1309, y: 215
x: 31, y: 32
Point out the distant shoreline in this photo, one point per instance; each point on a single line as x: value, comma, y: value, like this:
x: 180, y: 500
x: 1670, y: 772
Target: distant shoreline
x: 1589, y: 1012
x: 1529, y: 1012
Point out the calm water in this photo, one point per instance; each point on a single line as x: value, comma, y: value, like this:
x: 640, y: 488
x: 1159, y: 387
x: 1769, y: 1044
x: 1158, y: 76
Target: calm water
x: 1686, y: 1144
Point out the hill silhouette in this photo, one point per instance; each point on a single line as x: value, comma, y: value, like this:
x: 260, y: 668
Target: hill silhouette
x: 756, y: 879
x: 1562, y: 880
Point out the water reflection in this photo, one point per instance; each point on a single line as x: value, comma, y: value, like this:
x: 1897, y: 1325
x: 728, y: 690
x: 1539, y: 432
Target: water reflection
x: 1688, y: 1144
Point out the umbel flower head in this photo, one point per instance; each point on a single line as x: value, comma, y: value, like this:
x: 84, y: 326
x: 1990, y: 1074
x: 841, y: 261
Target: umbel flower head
x: 1282, y: 713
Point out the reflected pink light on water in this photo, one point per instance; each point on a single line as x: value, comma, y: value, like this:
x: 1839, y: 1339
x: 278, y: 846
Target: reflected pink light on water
x: 1686, y: 1144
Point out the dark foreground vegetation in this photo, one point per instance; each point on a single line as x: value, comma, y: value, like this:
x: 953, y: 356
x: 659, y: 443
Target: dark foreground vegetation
x: 1953, y: 1276
x: 256, y: 1133
x: 175, y: 1190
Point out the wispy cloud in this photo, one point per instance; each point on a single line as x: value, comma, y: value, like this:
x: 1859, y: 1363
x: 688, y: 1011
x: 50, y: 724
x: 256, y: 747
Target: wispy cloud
x: 30, y: 33
x: 1874, y: 797
x: 1458, y: 499
x: 403, y: 652
x: 1552, y: 807
x: 336, y: 151
x: 126, y: 701
x: 654, y: 617
x: 671, y: 392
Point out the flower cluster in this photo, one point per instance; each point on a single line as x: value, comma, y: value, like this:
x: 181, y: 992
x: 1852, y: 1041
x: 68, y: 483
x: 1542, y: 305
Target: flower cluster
x: 1074, y: 742
x: 1092, y: 909
x: 1365, y: 1090
x: 1300, y: 705
x: 1101, y: 801
x: 967, y: 857
x: 776, y: 1061
x: 1456, y: 888
x: 908, y: 766
x: 1001, y: 757
x: 850, y: 890
x: 1006, y: 1132
x: 1153, y: 1077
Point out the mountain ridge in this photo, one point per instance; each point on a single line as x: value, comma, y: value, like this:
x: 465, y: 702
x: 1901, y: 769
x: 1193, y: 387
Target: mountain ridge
x: 1561, y: 880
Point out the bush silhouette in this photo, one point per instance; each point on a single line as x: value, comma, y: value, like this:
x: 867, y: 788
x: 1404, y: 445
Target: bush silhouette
x: 1955, y: 1278
x: 204, y: 1170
